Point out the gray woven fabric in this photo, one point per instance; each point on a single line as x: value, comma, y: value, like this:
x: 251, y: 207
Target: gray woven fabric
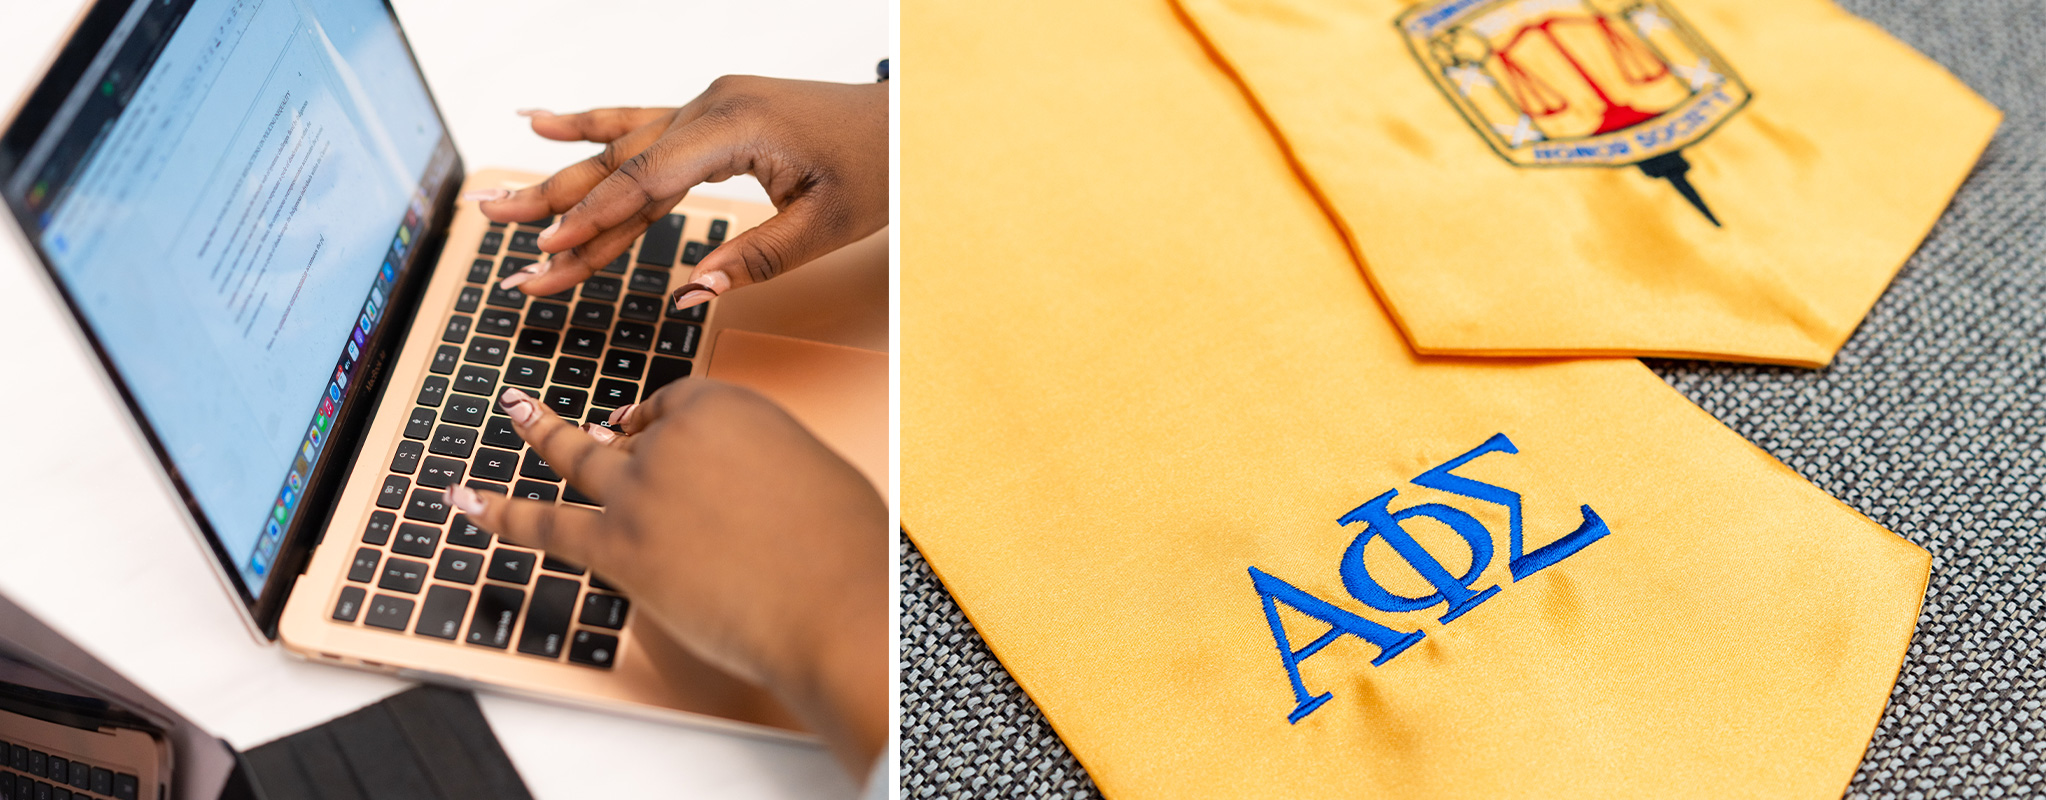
x: 1931, y: 421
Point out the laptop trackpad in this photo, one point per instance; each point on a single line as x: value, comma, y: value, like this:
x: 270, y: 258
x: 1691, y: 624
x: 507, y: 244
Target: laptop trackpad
x: 839, y: 393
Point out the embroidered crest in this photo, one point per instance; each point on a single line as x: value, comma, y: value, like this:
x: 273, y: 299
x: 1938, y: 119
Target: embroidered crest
x: 1577, y: 83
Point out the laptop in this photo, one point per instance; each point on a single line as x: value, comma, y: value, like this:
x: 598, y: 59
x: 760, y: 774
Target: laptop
x: 57, y: 743
x: 250, y: 209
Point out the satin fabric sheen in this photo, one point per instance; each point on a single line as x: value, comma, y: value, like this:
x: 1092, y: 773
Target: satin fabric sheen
x: 1826, y: 182
x: 1138, y: 360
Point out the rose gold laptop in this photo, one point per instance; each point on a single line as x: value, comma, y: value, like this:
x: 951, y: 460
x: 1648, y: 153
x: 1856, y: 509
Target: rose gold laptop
x: 250, y: 210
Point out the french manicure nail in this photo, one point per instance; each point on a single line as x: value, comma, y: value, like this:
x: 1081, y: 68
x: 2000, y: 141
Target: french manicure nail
x: 549, y: 231
x: 485, y: 195
x: 691, y: 295
x: 465, y: 499
x: 535, y: 112
x: 519, y: 405
x: 619, y: 415
x: 531, y: 271
x: 600, y: 433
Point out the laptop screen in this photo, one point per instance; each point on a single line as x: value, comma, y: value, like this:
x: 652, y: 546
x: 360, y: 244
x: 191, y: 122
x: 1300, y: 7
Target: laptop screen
x: 226, y: 194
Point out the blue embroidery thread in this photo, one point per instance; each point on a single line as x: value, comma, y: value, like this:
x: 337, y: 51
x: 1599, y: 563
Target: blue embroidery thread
x: 1452, y: 591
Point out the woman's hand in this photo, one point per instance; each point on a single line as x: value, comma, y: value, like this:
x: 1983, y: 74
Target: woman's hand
x: 820, y: 150
x: 735, y: 530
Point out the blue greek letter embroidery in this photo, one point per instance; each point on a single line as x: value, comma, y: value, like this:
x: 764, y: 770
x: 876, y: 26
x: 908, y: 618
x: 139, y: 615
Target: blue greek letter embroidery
x: 1454, y: 592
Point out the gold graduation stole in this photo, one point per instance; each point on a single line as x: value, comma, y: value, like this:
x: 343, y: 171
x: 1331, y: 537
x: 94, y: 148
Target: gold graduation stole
x: 1728, y: 179
x: 1236, y: 540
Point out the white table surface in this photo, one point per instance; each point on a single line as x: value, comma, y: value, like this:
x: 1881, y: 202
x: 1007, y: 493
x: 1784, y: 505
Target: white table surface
x: 93, y: 543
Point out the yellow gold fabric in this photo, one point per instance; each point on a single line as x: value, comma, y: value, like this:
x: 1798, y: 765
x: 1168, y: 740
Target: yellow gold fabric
x: 1826, y: 180
x: 1138, y: 361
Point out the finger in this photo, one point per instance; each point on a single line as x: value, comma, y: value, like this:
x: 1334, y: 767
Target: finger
x: 598, y: 125
x: 569, y: 267
x: 570, y: 533
x: 807, y: 227
x: 610, y: 438
x: 596, y: 470
x: 704, y: 149
x: 564, y: 189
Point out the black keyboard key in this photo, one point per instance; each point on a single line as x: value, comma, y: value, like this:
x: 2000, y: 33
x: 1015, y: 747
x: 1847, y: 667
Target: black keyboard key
x: 603, y: 288
x: 407, y: 459
x: 539, y: 224
x: 445, y: 359
x: 60, y: 771
x: 364, y: 568
x: 574, y: 371
x: 644, y: 308
x: 426, y: 505
x: 416, y: 540
x: 393, y: 494
x: 465, y: 409
x: 536, y: 342
x: 81, y: 778
x: 567, y: 402
x: 431, y: 392
x: 497, y: 322
x: 441, y: 473
x: 494, y: 464
x: 591, y: 314
x: 649, y: 280
x: 486, y: 350
x: 604, y: 610
x: 389, y: 612
x: 551, y: 316
x: 456, y: 331
x: 524, y: 241
x: 569, y: 494
x: 506, y: 298
x: 593, y: 649
x: 486, y: 486
x: 453, y: 441
x: 125, y: 787
x: 477, y: 380
x: 102, y: 781
x: 38, y: 764
x: 469, y: 299
x: 624, y: 364
x: 17, y: 758
x: 582, y: 342
x: 557, y: 565
x: 678, y: 339
x: 420, y: 425
x: 512, y: 566
x: 402, y: 575
x: 695, y: 313
x: 441, y: 615
x: 547, y: 619
x: 526, y: 372
x: 618, y: 265
x: 717, y: 230
x: 535, y: 490
x: 458, y: 565
x: 497, y: 612
x: 498, y: 432
x: 537, y: 468
x: 693, y: 253
x: 380, y: 524
x: 657, y: 245
x: 466, y: 534
x: 348, y: 606
x: 633, y: 335
x: 479, y: 270
x: 613, y: 393
x: 512, y: 264
x: 663, y: 371
x: 492, y: 242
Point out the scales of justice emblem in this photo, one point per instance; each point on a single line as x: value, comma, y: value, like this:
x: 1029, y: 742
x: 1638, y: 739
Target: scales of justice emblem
x: 1579, y: 83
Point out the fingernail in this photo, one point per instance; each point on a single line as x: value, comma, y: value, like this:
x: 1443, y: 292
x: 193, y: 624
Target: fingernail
x: 548, y: 232
x: 485, y: 195
x: 535, y: 112
x: 531, y: 271
x: 465, y: 499
x: 619, y: 415
x: 686, y: 297
x: 519, y: 405
x: 598, y: 432
x: 716, y: 282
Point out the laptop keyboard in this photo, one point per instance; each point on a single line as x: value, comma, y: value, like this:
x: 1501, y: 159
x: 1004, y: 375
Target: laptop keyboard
x: 28, y: 774
x: 420, y: 569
